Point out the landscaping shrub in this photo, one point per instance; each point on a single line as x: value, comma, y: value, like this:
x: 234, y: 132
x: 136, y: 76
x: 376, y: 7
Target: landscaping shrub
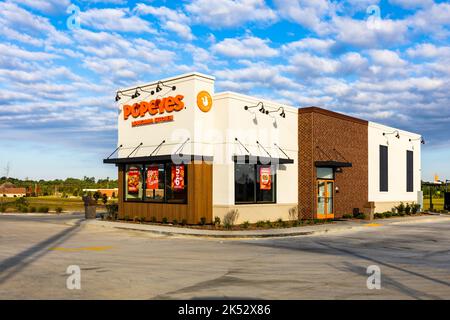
x: 415, y: 208
x: 361, y: 216
x: 400, y: 208
x: 269, y: 224
x: 260, y: 224
x: 347, y: 216
x: 112, y: 210
x: 153, y: 219
x: 58, y: 209
x: 174, y: 221
x: 32, y: 209
x: 135, y: 219
x: 202, y: 221
x: 184, y: 222
x: 230, y: 218
x: 43, y: 209
x: 142, y: 219
x: 245, y: 224
x: 408, y: 209
x: 217, y: 221
x: 22, y: 208
x: 379, y: 215
x: 295, y: 223
x: 164, y: 220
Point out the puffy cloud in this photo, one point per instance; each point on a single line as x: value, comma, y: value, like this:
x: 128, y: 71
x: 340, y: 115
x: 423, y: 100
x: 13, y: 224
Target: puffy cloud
x: 230, y: 13
x: 46, y: 6
x: 173, y: 20
x: 308, y: 13
x: 247, y: 47
x: 428, y: 50
x: 387, y: 58
x: 309, y: 44
x: 118, y: 19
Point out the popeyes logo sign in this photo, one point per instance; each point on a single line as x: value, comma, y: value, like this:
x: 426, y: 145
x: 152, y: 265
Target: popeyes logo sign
x: 153, y: 107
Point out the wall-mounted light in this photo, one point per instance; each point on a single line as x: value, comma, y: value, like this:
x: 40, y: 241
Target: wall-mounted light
x: 261, y: 109
x: 422, y: 140
x: 136, y: 94
x: 118, y: 97
x: 397, y: 134
x: 282, y: 114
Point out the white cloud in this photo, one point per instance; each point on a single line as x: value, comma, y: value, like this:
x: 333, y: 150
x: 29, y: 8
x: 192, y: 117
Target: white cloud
x: 428, y: 50
x: 173, y: 20
x: 46, y: 6
x: 120, y: 20
x: 230, y: 13
x: 412, y: 4
x: 308, y: 13
x: 16, y: 52
x: 247, y: 47
x: 387, y: 58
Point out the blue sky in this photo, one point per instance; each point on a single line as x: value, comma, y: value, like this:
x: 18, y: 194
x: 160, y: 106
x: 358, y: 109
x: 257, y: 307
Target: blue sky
x: 386, y: 61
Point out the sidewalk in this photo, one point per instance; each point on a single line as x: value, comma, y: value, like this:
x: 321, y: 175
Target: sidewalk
x: 338, y: 226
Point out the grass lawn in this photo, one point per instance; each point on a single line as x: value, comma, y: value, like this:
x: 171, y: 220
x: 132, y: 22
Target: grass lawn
x: 438, y: 204
x: 67, y: 204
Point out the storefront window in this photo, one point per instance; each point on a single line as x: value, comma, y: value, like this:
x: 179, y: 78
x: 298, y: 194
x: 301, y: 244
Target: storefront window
x: 254, y: 183
x: 154, y: 182
x: 133, y: 183
x: 176, y: 186
x: 325, y: 173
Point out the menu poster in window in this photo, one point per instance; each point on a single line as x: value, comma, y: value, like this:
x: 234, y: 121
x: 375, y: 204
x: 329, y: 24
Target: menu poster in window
x: 178, y: 177
x: 152, y: 178
x: 134, y: 177
x: 265, y: 180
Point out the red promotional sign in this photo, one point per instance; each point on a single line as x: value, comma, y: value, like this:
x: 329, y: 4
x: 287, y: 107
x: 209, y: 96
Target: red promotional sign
x: 178, y: 177
x: 134, y: 175
x: 152, y: 178
x: 265, y: 180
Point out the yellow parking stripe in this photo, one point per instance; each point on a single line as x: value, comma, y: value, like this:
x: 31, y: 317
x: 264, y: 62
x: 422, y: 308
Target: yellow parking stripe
x: 101, y: 248
x: 372, y: 225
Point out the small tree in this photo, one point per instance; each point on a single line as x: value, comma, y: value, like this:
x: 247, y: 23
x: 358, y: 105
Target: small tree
x: 104, y: 198
x: 97, y: 195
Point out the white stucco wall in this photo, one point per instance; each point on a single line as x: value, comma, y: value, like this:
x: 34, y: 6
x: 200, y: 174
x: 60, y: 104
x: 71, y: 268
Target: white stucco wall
x: 396, y: 165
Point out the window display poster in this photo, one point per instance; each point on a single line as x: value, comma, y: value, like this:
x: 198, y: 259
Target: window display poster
x: 178, y: 177
x: 265, y: 180
x: 134, y: 177
x: 152, y: 178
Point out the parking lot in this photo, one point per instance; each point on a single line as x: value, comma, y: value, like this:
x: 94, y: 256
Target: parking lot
x: 35, y: 252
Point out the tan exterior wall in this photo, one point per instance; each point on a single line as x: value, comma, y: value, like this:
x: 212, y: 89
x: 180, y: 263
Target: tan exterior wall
x: 256, y: 212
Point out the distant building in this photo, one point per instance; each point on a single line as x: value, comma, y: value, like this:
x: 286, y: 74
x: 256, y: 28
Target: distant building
x: 9, y: 190
x: 110, y: 193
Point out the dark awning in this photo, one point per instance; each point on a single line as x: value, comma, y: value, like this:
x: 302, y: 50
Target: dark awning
x: 261, y: 160
x: 332, y: 164
x: 185, y: 158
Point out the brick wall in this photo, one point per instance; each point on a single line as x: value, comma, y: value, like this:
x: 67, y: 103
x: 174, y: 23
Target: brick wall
x: 321, y: 131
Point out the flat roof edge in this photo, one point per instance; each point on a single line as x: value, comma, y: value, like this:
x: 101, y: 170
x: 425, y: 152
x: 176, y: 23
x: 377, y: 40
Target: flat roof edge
x: 332, y: 114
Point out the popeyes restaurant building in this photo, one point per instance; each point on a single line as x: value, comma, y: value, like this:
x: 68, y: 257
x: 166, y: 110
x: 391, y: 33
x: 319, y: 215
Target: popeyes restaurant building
x: 187, y: 153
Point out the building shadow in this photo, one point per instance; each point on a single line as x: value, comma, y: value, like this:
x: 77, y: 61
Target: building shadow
x: 11, y: 266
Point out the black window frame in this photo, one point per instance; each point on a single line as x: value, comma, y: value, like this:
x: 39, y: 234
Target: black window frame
x: 167, y: 167
x: 256, y: 184
x: 409, y: 171
x: 384, y: 168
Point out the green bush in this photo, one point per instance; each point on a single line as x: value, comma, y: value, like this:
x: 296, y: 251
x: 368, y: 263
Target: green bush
x: 260, y: 224
x: 400, y: 208
x: 415, y: 207
x: 21, y: 202
x: 360, y: 216
x: 22, y: 208
x: 269, y: 224
x: 164, y: 220
x: 217, y: 221
x: 174, y: 222
x: 153, y: 219
x: 112, y: 210
x: 347, y: 216
x: 58, y: 209
x: 184, y: 222
x: 32, y: 209
x: 379, y: 215
x: 295, y: 223
x: 43, y: 209
x: 142, y: 219
x: 202, y: 221
x: 245, y: 224
x: 3, y: 207
x: 408, y: 209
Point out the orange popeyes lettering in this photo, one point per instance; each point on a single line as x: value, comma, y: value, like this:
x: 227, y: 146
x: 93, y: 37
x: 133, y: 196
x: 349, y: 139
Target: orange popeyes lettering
x: 153, y: 107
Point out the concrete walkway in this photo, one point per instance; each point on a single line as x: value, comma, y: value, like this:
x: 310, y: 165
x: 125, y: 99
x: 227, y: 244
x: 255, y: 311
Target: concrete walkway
x: 338, y: 226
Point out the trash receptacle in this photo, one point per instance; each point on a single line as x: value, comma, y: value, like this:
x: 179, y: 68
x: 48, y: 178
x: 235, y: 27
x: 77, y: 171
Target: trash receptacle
x: 90, y: 207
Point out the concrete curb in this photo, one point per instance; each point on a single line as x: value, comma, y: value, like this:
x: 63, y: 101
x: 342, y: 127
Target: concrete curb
x: 268, y: 233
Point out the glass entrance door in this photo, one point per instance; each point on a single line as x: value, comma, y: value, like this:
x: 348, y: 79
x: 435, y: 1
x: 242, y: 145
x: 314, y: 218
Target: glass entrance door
x: 325, y: 193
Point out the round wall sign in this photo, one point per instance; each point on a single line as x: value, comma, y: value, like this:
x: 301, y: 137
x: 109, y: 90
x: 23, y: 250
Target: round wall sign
x: 204, y: 101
